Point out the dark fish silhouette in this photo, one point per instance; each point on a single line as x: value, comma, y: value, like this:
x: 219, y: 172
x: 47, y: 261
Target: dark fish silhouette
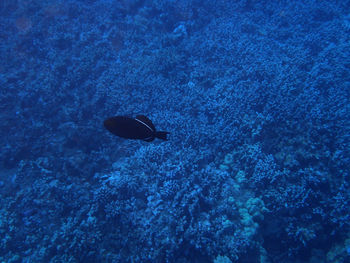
x: 139, y: 128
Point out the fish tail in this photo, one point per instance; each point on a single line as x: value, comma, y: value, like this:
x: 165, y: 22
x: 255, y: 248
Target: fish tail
x: 162, y: 135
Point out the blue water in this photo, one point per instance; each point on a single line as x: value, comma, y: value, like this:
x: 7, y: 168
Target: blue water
x: 255, y: 95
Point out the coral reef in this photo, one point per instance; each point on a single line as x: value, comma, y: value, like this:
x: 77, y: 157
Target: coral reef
x: 254, y: 93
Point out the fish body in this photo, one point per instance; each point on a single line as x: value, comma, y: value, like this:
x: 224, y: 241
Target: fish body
x: 140, y: 128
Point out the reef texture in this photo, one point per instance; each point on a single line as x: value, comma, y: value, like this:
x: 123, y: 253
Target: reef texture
x: 256, y: 95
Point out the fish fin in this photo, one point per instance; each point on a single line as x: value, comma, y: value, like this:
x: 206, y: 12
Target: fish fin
x: 149, y: 139
x: 162, y: 135
x: 146, y: 121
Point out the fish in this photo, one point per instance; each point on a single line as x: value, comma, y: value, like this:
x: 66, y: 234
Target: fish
x: 140, y: 128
